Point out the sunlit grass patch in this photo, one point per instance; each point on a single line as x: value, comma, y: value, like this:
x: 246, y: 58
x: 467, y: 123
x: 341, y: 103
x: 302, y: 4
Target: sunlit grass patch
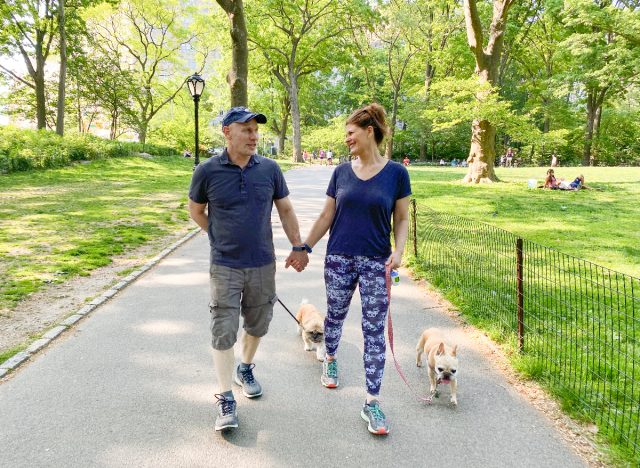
x: 66, y: 222
x: 598, y: 225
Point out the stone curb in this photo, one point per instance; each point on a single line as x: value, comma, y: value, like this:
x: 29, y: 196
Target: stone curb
x: 18, y: 359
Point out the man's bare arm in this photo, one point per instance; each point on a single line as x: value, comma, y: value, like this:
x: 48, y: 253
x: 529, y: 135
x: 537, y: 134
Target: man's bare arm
x: 289, y: 220
x: 298, y: 260
x: 198, y: 213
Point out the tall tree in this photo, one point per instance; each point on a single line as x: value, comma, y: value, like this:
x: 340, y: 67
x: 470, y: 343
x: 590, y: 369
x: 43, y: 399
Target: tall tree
x: 607, y: 57
x: 237, y: 76
x: 482, y: 152
x: 268, y: 95
x: 63, y: 69
x: 539, y: 57
x: 368, y: 61
x: 397, y: 34
x: 151, y: 40
x: 27, y: 28
x: 108, y: 89
x: 298, y: 37
x: 440, y: 21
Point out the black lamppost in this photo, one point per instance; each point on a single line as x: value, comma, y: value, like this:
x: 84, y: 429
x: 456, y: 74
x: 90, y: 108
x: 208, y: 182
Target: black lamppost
x: 196, y: 86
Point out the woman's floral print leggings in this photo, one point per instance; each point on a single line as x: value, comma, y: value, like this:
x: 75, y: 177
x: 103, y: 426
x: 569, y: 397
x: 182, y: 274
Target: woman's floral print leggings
x: 341, y: 274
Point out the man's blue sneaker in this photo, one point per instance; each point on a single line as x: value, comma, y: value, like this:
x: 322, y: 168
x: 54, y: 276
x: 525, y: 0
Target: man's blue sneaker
x: 250, y: 386
x: 372, y: 413
x: 227, y: 415
x: 329, y: 377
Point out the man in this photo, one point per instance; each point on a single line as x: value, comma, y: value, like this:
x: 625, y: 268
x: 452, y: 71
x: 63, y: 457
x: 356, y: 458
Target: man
x: 239, y: 188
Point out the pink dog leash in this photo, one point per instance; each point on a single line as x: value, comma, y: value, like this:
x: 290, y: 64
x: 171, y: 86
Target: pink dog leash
x: 428, y: 399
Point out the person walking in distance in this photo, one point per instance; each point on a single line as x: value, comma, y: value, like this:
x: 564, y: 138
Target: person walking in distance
x: 363, y: 198
x: 239, y: 189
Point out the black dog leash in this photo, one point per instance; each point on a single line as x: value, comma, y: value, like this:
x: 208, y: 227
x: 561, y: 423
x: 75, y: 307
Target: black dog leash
x: 287, y: 309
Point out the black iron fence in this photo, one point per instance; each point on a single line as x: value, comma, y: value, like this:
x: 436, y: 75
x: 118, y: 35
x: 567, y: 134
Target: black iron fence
x: 577, y: 324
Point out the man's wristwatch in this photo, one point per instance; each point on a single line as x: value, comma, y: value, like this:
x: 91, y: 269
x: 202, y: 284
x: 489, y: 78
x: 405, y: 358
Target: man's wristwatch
x: 300, y: 248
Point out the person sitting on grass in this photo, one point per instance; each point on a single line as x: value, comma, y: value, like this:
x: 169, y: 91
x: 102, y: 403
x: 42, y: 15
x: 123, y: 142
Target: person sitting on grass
x: 577, y: 184
x: 550, y: 181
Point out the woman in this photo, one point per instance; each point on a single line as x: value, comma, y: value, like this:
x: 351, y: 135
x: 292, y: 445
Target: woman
x: 550, y: 181
x: 362, y: 197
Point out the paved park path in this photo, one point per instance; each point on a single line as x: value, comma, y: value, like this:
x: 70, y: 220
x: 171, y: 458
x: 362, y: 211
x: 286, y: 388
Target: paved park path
x: 133, y: 384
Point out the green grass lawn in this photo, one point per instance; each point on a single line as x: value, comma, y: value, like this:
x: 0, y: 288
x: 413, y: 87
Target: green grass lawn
x: 60, y: 223
x: 602, y: 226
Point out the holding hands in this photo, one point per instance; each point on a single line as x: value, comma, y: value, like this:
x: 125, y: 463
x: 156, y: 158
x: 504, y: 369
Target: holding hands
x: 299, y: 257
x: 298, y: 260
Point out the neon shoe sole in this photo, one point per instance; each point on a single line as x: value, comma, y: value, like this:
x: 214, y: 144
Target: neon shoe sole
x: 328, y: 385
x: 381, y: 431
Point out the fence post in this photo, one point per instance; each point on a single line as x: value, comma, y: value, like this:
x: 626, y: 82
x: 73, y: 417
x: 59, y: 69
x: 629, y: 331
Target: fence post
x: 415, y: 231
x: 520, y: 296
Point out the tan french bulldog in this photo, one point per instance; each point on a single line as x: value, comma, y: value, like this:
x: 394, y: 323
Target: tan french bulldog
x: 442, y: 359
x: 311, y: 328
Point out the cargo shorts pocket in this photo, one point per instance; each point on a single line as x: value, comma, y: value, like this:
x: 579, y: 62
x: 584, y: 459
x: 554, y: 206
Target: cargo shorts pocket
x: 258, y: 300
x: 258, y: 318
x: 224, y: 308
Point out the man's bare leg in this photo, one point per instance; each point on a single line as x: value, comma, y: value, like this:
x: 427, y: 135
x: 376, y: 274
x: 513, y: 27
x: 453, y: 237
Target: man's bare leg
x: 223, y: 362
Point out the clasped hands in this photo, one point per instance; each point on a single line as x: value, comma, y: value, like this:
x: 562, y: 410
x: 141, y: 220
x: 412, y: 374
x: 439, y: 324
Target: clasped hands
x: 298, y: 260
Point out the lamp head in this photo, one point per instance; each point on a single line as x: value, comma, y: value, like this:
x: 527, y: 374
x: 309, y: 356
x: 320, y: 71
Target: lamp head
x: 195, y: 84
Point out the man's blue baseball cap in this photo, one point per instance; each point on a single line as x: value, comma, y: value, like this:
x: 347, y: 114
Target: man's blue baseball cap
x: 241, y: 115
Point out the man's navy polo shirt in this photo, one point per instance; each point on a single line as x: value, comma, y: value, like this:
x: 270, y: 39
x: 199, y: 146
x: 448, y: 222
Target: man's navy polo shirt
x: 240, y: 202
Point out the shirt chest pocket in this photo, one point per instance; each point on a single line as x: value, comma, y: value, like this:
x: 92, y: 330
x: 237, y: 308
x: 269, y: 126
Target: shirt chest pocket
x: 263, y: 191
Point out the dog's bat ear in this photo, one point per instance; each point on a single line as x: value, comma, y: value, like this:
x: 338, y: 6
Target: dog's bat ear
x: 440, y: 349
x: 455, y: 350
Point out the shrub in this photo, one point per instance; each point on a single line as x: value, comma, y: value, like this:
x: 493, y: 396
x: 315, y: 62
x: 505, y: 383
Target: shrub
x: 23, y: 150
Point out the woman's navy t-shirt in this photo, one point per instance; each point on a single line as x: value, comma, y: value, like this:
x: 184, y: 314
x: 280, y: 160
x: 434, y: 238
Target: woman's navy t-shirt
x: 362, y: 222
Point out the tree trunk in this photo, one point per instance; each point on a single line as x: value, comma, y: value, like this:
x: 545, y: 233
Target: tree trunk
x: 482, y: 150
x: 594, y: 110
x: 237, y: 76
x: 295, y: 117
x: 63, y: 69
x: 546, y: 124
x: 282, y: 136
x: 79, y: 107
x: 428, y: 77
x: 596, y: 130
x: 588, y: 133
x: 595, y: 99
x: 482, y: 153
x: 38, y: 79
x: 142, y: 133
x: 423, y: 149
x: 113, y: 130
x: 392, y: 125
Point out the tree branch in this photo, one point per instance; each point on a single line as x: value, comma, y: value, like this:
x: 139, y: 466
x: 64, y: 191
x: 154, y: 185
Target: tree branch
x: 17, y: 77
x: 498, y: 25
x: 474, y: 27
